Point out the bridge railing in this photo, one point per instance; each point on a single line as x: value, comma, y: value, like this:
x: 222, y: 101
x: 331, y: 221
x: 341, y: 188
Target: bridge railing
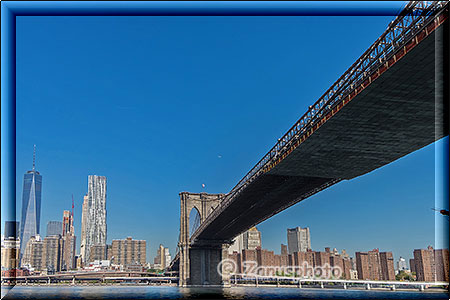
x: 413, y: 18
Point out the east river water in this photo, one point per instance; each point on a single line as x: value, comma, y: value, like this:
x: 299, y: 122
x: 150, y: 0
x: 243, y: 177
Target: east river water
x: 171, y: 292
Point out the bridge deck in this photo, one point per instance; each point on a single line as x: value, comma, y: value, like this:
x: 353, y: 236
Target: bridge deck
x: 396, y: 114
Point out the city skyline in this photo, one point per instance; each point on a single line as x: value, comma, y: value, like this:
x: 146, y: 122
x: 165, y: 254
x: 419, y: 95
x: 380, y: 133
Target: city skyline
x: 274, y: 249
x: 210, y: 165
x: 248, y: 240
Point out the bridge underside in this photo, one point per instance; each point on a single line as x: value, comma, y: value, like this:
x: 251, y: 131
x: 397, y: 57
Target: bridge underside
x: 400, y: 112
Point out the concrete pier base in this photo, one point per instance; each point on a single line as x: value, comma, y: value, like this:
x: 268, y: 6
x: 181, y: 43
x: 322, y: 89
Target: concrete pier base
x: 205, y: 266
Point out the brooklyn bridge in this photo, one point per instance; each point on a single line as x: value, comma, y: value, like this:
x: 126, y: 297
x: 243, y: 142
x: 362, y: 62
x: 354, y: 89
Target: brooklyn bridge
x: 392, y: 101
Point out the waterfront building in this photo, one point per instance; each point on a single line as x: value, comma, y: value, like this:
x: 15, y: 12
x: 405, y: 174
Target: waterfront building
x: 130, y: 252
x: 250, y: 257
x: 84, y: 217
x: 54, y: 228
x: 284, y: 255
x: 353, y: 274
x: 348, y: 268
x: 412, y: 265
x: 302, y: 258
x: 401, y: 264
x: 362, y: 265
x: 299, y: 239
x: 375, y: 265
x: 15, y: 273
x: 237, y: 245
x: 341, y: 261
x: 249, y: 240
x: 321, y: 258
x: 95, y: 228
x: 431, y: 264
x: 109, y: 252
x: 52, y: 253
x: 237, y: 258
x: 136, y: 267
x: 353, y: 260
x: 12, y: 230
x: 161, y: 260
x: 265, y: 258
x: 344, y: 254
x: 78, y: 262
x: 68, y: 258
x: 69, y: 241
x: 10, y: 251
x: 441, y: 257
x: 424, y: 264
x: 98, y: 265
x: 31, y: 205
x: 387, y: 266
x: 252, y: 239
x: 67, y: 227
x: 167, y: 256
x: 33, y: 253
x: 337, y: 261
x: 96, y: 252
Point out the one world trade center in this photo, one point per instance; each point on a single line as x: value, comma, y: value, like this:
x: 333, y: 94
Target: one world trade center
x: 31, y: 205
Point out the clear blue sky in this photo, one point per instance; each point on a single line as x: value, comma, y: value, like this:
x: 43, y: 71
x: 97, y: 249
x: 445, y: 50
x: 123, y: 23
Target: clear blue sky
x: 161, y: 105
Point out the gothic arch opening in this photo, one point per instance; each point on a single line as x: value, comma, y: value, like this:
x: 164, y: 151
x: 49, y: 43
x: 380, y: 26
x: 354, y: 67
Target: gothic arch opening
x: 194, y: 220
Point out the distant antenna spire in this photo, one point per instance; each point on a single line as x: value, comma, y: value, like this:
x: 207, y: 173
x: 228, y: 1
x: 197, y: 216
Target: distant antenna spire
x: 72, y: 206
x: 34, y: 157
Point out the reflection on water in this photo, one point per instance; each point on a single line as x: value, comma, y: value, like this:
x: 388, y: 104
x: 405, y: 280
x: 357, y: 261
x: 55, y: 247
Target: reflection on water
x: 166, y: 292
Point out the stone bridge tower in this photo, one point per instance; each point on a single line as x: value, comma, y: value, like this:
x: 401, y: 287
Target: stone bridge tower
x: 198, y: 265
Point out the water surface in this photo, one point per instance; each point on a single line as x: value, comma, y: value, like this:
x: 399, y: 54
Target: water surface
x: 168, y: 292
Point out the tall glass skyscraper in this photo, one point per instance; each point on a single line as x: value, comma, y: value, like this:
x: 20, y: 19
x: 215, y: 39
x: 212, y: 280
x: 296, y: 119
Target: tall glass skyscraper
x: 31, y: 205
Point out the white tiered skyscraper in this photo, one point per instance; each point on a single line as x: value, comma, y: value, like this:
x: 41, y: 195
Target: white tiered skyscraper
x: 95, y: 225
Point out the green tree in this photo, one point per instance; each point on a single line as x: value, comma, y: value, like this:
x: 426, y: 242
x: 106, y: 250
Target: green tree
x: 404, y: 276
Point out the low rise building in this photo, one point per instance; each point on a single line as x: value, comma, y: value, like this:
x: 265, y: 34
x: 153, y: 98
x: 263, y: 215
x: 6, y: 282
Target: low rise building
x: 129, y: 252
x: 375, y: 265
x: 33, y: 254
x: 431, y: 264
x: 52, y: 253
x: 10, y: 253
x: 97, y: 252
